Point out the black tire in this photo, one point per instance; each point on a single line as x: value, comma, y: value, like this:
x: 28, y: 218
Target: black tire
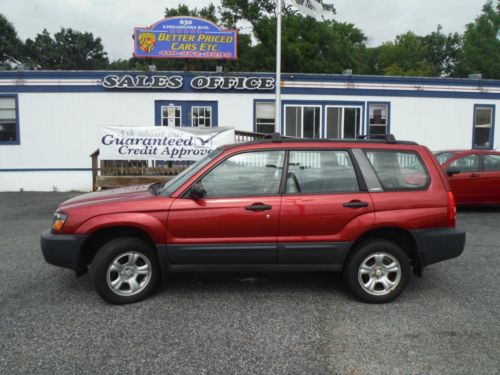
x: 359, y: 281
x: 118, y: 249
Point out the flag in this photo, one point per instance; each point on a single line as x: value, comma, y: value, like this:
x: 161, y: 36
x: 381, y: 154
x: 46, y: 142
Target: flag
x: 312, y: 8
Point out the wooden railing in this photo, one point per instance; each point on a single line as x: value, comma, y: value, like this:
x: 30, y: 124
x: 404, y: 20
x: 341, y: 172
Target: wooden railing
x: 115, y: 173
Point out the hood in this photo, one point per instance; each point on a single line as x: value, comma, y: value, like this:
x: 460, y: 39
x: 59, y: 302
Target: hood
x: 125, y: 194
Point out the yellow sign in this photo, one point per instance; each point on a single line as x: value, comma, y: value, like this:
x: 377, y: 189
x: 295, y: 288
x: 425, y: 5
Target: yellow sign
x: 147, y: 41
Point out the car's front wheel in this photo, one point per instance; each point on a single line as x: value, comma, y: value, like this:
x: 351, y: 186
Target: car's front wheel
x: 126, y: 270
x: 377, y: 271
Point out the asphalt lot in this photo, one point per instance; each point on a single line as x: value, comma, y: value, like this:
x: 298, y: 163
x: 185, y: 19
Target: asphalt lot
x: 448, y: 322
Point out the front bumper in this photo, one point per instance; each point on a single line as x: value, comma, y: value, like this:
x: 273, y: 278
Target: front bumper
x: 436, y: 245
x: 63, y: 250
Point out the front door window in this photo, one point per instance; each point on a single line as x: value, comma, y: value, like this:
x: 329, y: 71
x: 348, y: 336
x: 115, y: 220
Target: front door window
x: 248, y: 174
x: 469, y: 163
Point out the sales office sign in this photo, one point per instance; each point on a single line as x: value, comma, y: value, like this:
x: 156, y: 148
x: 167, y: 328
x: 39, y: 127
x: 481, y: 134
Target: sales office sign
x: 174, y: 82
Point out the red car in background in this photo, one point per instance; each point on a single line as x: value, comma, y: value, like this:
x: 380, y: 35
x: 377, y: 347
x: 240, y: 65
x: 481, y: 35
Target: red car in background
x: 474, y: 175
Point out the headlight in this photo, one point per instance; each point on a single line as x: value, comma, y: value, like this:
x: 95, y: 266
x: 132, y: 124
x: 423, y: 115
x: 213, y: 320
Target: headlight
x: 58, y: 220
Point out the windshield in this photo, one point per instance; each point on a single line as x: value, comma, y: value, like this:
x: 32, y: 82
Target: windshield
x: 172, y: 185
x: 443, y: 157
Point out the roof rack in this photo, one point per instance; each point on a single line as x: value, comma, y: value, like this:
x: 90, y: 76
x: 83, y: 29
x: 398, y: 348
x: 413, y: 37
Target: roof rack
x: 278, y: 138
x: 274, y: 137
x: 388, y: 138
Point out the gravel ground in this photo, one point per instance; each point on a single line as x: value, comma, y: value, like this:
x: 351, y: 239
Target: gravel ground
x: 448, y: 322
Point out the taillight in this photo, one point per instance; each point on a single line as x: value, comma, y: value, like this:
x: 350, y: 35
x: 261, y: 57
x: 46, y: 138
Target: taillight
x: 452, y: 210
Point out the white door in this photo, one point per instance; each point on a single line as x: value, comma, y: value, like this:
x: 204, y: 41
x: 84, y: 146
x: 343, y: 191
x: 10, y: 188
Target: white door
x: 303, y: 121
x: 171, y: 115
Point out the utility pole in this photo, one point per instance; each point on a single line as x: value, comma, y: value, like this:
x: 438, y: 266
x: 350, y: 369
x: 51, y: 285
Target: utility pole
x: 277, y: 104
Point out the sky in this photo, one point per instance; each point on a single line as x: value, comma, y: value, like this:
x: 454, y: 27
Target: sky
x: 114, y: 20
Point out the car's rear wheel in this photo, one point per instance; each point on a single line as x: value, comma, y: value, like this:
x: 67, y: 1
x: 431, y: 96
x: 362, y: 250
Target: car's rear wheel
x: 126, y: 270
x: 377, y: 271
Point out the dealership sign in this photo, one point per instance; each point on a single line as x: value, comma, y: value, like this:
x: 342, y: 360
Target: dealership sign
x: 160, y: 143
x: 185, y: 38
x: 128, y: 81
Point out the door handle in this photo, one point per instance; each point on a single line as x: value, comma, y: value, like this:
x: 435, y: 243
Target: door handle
x: 258, y: 207
x: 474, y: 174
x: 355, y: 204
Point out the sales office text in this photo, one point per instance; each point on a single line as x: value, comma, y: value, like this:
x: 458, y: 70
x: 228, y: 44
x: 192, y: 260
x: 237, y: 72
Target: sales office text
x: 198, y: 83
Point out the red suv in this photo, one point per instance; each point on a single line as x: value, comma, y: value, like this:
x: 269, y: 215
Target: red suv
x: 373, y: 209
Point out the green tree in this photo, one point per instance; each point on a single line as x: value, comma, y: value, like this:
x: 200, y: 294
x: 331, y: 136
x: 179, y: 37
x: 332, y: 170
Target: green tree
x: 11, y: 47
x: 252, y: 11
x: 209, y: 12
x: 308, y: 45
x: 481, y: 44
x: 68, y: 49
x: 406, y: 56
x: 130, y: 64
x: 442, y: 51
x: 409, y: 54
x: 42, y: 52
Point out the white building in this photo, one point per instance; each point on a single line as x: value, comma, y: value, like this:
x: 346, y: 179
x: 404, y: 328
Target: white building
x: 49, y: 121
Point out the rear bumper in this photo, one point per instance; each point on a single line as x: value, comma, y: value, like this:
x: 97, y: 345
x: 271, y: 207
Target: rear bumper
x: 436, y: 245
x: 63, y: 250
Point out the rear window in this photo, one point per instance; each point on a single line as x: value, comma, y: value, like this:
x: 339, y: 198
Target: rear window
x: 399, y: 170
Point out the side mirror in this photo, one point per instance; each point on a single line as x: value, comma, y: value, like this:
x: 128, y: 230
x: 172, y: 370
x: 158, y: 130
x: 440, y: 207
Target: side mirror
x: 198, y: 191
x: 452, y: 170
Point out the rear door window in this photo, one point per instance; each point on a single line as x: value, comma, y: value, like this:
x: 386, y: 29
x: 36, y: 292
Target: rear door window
x: 399, y: 170
x: 321, y: 172
x: 492, y: 163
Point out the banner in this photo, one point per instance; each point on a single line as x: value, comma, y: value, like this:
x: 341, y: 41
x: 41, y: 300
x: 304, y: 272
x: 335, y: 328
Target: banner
x: 185, y: 38
x: 160, y: 142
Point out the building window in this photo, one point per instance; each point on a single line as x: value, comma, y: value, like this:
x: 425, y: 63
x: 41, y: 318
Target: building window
x: 264, y: 117
x: 303, y: 121
x: 8, y: 121
x: 483, y: 126
x: 343, y: 122
x: 171, y: 115
x: 378, y: 115
x: 201, y: 116
x: 177, y: 113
